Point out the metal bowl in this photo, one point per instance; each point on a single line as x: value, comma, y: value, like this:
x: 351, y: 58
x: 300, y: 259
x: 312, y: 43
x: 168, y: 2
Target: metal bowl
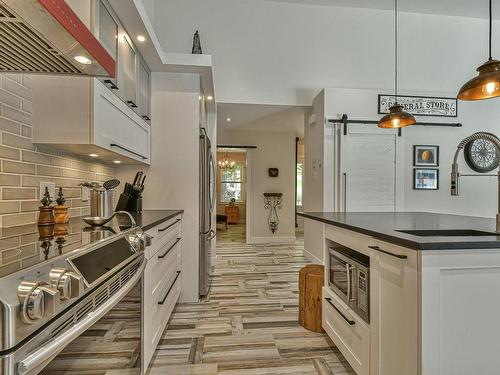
x: 97, y: 220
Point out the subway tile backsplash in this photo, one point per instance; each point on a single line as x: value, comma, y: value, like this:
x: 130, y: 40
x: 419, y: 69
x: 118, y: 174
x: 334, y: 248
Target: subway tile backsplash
x: 24, y: 165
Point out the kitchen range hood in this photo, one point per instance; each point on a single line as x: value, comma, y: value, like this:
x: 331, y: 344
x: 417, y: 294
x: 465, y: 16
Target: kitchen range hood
x: 46, y: 36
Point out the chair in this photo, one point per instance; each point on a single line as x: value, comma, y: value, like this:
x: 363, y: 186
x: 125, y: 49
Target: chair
x: 222, y: 219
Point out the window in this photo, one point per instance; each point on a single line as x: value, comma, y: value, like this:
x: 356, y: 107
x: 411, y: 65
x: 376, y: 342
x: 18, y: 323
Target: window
x: 233, y: 184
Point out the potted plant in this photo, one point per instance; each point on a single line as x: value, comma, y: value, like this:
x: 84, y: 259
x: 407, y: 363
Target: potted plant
x: 46, y: 216
x: 60, y: 210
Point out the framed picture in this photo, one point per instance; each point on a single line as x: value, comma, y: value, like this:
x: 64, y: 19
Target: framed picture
x: 425, y: 179
x: 273, y: 172
x: 425, y: 156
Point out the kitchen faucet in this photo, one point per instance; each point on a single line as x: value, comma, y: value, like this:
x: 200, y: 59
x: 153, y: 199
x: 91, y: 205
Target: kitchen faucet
x: 455, y: 174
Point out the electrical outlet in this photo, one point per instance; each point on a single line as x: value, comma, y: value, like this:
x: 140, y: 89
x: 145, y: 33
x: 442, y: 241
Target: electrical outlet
x: 85, y: 194
x: 52, y: 189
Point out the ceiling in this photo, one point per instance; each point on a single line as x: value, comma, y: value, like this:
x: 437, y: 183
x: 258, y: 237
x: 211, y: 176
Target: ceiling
x: 260, y: 117
x: 466, y: 8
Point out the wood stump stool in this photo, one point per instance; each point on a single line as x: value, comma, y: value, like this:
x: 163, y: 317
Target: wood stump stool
x: 311, y: 280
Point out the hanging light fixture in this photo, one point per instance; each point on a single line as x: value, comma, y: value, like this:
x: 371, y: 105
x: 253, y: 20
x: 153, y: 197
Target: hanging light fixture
x: 487, y: 83
x: 397, y: 117
x: 226, y: 163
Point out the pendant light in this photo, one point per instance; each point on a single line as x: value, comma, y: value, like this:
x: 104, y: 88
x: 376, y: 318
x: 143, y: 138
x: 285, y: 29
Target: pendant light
x: 487, y: 84
x: 397, y: 117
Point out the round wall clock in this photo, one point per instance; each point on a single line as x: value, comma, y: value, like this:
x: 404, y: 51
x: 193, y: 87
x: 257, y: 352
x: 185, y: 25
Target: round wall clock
x: 481, y: 155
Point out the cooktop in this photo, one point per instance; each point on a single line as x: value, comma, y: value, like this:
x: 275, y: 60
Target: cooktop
x: 27, y: 245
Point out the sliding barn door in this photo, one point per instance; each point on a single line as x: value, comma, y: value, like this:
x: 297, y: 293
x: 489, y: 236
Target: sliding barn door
x: 369, y: 177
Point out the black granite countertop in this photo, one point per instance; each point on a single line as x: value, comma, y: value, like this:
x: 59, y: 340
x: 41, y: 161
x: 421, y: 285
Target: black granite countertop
x: 25, y: 245
x: 386, y: 226
x: 150, y: 218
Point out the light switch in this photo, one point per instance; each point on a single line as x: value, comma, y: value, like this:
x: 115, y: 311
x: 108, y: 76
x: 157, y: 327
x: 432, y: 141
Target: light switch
x: 85, y: 194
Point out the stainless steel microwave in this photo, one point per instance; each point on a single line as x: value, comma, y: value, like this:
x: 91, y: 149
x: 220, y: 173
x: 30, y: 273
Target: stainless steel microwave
x: 349, y: 278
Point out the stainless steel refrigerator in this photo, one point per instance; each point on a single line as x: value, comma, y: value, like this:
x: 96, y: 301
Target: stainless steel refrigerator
x: 207, y: 203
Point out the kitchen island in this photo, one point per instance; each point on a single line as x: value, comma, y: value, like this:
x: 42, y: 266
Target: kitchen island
x: 434, y: 292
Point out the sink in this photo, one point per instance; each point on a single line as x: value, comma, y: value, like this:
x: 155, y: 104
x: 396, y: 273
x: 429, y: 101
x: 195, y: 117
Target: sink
x: 448, y: 233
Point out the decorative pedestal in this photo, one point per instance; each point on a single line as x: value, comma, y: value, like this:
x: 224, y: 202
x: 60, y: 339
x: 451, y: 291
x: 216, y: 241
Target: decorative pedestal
x: 272, y: 202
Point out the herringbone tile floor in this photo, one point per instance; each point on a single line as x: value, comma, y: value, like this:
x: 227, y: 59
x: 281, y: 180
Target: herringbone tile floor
x: 248, y: 324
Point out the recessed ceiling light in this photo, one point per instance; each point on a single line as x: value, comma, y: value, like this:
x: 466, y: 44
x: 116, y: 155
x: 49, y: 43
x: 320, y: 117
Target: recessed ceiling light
x: 93, y: 155
x: 83, y: 60
x: 228, y: 119
x: 117, y: 161
x: 141, y: 38
x: 210, y: 98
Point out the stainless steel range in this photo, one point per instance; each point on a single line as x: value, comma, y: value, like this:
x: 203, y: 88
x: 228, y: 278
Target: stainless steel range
x: 48, y: 305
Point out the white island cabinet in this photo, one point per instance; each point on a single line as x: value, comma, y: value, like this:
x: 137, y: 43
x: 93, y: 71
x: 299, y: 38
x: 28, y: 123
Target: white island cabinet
x: 393, y: 313
x: 432, y: 312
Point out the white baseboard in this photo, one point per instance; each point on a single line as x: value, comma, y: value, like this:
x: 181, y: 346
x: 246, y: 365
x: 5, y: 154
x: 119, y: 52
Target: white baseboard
x: 273, y: 240
x: 313, y: 258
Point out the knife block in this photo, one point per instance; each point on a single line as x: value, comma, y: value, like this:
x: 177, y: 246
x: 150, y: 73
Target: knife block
x: 123, y: 202
x: 134, y: 205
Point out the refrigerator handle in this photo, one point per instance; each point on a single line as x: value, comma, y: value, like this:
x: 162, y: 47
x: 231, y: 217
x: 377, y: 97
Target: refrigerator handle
x: 212, y: 234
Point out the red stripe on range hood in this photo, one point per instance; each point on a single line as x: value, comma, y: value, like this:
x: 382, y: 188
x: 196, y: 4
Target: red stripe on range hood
x: 72, y: 23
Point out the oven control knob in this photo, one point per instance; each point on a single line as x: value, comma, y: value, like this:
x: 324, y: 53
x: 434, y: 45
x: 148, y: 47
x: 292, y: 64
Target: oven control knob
x: 68, y: 283
x: 37, y: 299
x: 138, y: 241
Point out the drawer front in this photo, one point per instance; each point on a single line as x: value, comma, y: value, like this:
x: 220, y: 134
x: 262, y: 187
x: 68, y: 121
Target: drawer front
x: 162, y: 265
x: 157, y: 318
x: 347, y: 331
x: 162, y: 234
x: 158, y: 272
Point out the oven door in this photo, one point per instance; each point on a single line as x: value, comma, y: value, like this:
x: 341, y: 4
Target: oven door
x: 341, y: 278
x: 103, y: 331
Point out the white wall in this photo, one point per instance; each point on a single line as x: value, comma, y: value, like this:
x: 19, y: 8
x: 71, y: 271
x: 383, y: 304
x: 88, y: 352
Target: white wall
x: 274, y: 150
x: 283, y: 53
x: 313, y: 192
x: 173, y: 177
x: 478, y: 196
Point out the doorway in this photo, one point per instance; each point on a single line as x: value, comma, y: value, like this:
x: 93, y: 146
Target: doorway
x: 299, y: 173
x: 231, y: 195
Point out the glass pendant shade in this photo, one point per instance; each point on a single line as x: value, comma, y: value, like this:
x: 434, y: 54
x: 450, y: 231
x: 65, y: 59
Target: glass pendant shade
x: 396, y: 118
x: 486, y: 85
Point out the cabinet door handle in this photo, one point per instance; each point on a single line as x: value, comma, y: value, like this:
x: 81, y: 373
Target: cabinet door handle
x: 169, y: 289
x: 169, y: 249
x: 168, y: 226
x: 349, y: 321
x: 131, y: 104
x: 111, y: 84
x: 126, y: 149
x: 388, y: 253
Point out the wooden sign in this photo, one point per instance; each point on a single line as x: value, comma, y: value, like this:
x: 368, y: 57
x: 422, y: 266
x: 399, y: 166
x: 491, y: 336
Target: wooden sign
x: 420, y: 105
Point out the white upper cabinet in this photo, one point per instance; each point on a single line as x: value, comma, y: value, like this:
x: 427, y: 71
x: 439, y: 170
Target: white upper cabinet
x: 107, y: 33
x: 105, y: 116
x: 144, y: 92
x: 128, y: 55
